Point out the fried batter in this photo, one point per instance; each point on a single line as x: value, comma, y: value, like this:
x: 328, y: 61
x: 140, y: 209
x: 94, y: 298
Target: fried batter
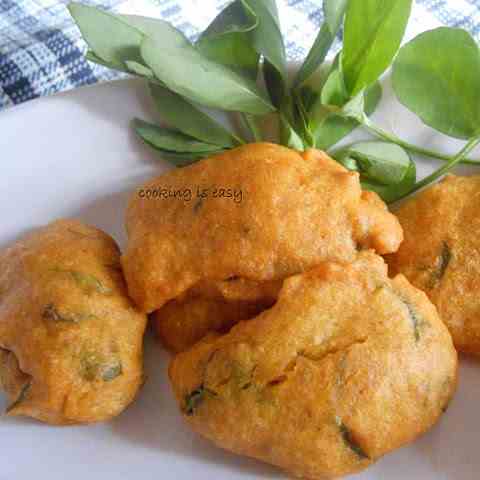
x: 180, y: 325
x: 347, y: 366
x: 70, y: 339
x: 296, y: 210
x: 441, y: 254
x: 211, y: 307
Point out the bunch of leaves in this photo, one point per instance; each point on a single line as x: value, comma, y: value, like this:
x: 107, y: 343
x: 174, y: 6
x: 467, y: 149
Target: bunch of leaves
x: 238, y: 64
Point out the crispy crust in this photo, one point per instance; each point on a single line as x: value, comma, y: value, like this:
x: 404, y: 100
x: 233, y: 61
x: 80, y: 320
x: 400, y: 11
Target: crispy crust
x: 297, y: 210
x: 441, y: 254
x: 347, y: 366
x: 71, y: 340
x: 211, y: 307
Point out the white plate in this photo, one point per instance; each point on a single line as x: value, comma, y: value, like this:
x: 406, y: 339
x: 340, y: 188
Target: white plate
x: 75, y: 155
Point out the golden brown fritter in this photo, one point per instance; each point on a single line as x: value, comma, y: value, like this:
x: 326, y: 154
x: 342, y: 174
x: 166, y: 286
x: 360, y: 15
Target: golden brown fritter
x: 347, y: 366
x: 441, y: 254
x: 287, y: 211
x: 70, y: 339
x: 211, y: 307
x: 179, y: 325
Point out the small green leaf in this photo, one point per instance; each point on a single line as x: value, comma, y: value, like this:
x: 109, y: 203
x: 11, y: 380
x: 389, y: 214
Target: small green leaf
x: 373, y: 32
x: 276, y: 87
x: 195, y: 398
x: 355, y: 107
x: 436, y: 76
x: 92, y: 57
x: 349, y: 440
x: 334, y: 11
x: 289, y: 137
x: 171, y: 140
x: 334, y: 91
x: 109, y: 37
x: 21, y: 397
x: 333, y: 127
x: 268, y: 41
x: 187, y: 72
x: 90, y: 365
x: 184, y: 159
x: 382, y: 162
x: 267, y: 37
x: 186, y: 117
x: 443, y: 261
x: 227, y: 39
x: 85, y: 281
x: 302, y: 120
x: 139, y: 69
x: 392, y: 193
x: 115, y: 39
x: 112, y: 372
x: 94, y: 366
x: 51, y: 312
x: 416, y: 319
x: 155, y: 27
x: 88, y: 282
x: 130, y: 66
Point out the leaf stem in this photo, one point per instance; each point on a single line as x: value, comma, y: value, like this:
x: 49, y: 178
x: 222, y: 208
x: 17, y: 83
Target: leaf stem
x: 390, y: 137
x: 456, y: 159
x: 252, y: 127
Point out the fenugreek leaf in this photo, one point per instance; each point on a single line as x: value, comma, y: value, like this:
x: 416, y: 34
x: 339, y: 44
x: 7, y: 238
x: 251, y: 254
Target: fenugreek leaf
x: 110, y: 38
x: 184, y: 70
x: 436, y: 76
x: 195, y: 398
x: 139, y: 69
x: 171, y: 140
x: 349, y: 440
x: 115, y: 39
x: 373, y: 32
x: 89, y: 282
x: 381, y: 162
x: 21, y: 397
x: 189, y: 119
x: 288, y: 136
x: 334, y: 91
x: 184, y: 159
x: 329, y: 129
x: 112, y: 372
x: 415, y: 318
x: 50, y: 312
x: 85, y: 281
x: 334, y: 11
x: 227, y: 39
x: 394, y: 192
x: 444, y: 260
x: 267, y: 37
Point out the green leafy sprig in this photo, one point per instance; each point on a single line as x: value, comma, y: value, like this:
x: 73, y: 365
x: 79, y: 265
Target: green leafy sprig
x: 238, y: 65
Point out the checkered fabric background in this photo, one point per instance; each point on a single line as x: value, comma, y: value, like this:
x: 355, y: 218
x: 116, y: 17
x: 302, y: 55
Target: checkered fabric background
x: 41, y: 51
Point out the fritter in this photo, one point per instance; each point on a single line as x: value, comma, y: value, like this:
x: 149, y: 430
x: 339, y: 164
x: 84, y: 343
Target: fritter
x: 211, y: 307
x: 441, y: 254
x: 70, y: 338
x: 260, y: 212
x: 347, y: 366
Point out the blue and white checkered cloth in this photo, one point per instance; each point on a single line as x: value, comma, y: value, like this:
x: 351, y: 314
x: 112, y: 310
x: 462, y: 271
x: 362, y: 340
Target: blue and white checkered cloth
x: 41, y: 51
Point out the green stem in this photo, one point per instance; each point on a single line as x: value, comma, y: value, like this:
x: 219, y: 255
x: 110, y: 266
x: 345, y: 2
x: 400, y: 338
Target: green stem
x: 456, y: 159
x: 252, y: 126
x: 240, y: 140
x: 390, y: 137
